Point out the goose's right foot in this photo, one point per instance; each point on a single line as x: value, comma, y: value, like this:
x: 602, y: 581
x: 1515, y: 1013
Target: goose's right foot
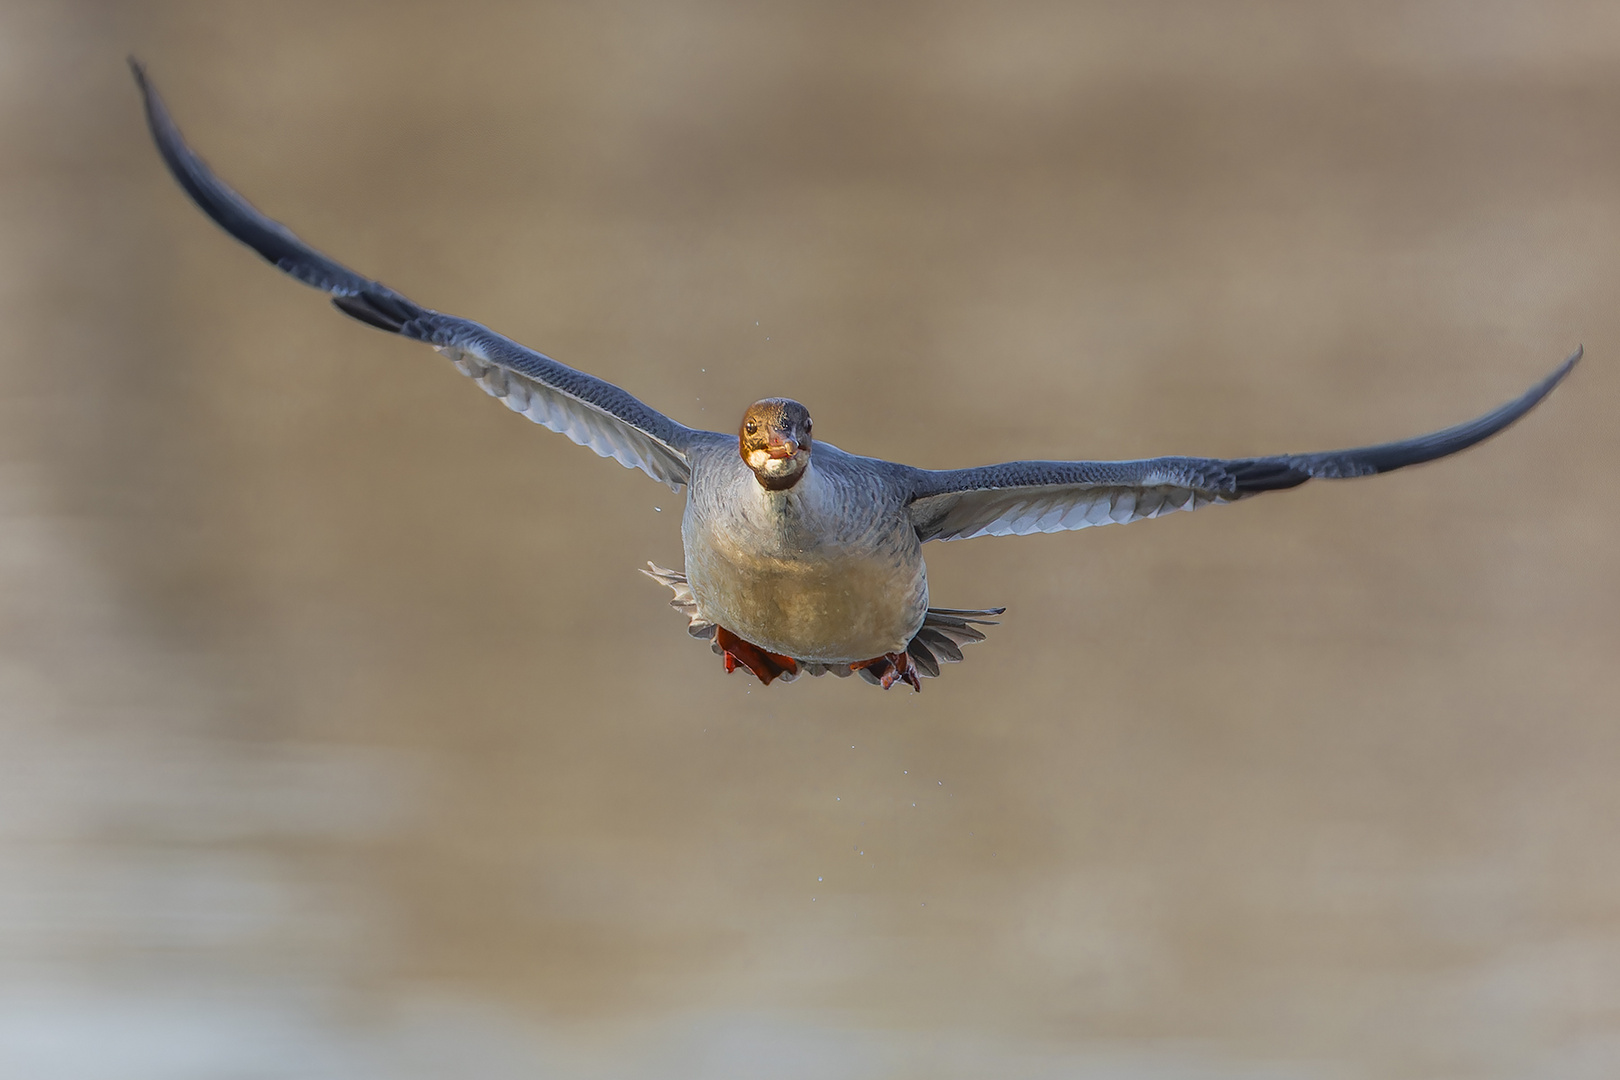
x: 890, y: 669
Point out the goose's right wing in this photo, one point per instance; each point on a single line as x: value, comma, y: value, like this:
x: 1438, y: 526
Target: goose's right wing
x: 1023, y: 497
x: 590, y: 411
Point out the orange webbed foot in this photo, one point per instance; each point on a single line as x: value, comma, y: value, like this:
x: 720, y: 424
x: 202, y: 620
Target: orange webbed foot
x: 891, y: 668
x: 766, y: 666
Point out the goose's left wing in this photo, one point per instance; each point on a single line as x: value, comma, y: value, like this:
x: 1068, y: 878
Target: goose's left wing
x: 590, y: 411
x: 1024, y: 497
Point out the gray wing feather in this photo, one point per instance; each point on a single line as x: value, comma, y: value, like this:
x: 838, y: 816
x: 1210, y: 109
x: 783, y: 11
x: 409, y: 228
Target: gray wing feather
x: 1023, y: 497
x: 590, y: 411
x: 588, y: 426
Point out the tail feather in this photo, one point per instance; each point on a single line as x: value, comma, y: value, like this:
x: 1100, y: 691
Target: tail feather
x: 684, y: 601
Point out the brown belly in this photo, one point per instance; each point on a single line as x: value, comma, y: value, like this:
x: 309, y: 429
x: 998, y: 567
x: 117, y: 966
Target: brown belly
x: 837, y: 610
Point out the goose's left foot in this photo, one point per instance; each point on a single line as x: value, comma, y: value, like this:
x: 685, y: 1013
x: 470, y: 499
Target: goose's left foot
x: 766, y: 666
x: 891, y: 668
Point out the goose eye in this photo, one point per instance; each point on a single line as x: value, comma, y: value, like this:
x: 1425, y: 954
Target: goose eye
x: 751, y: 427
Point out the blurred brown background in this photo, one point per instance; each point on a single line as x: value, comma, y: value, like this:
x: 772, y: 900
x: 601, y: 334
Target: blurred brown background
x: 339, y: 737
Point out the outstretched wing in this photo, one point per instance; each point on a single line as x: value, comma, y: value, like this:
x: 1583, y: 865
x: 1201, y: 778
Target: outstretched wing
x: 588, y: 410
x: 1024, y: 497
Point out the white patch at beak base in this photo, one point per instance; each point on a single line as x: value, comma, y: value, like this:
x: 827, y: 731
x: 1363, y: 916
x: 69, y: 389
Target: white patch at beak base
x: 762, y: 462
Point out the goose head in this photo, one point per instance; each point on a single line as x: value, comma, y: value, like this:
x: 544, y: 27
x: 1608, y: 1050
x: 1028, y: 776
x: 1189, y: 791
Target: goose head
x: 774, y: 441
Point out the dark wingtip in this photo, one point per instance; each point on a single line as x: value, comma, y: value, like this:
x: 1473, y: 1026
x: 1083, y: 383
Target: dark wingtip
x: 358, y: 296
x: 1564, y: 368
x: 171, y: 145
x: 144, y: 84
x: 148, y: 91
x: 1270, y: 474
x: 1533, y: 397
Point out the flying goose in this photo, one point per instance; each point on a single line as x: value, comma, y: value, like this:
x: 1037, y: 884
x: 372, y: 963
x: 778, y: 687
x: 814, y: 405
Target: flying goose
x: 800, y: 557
